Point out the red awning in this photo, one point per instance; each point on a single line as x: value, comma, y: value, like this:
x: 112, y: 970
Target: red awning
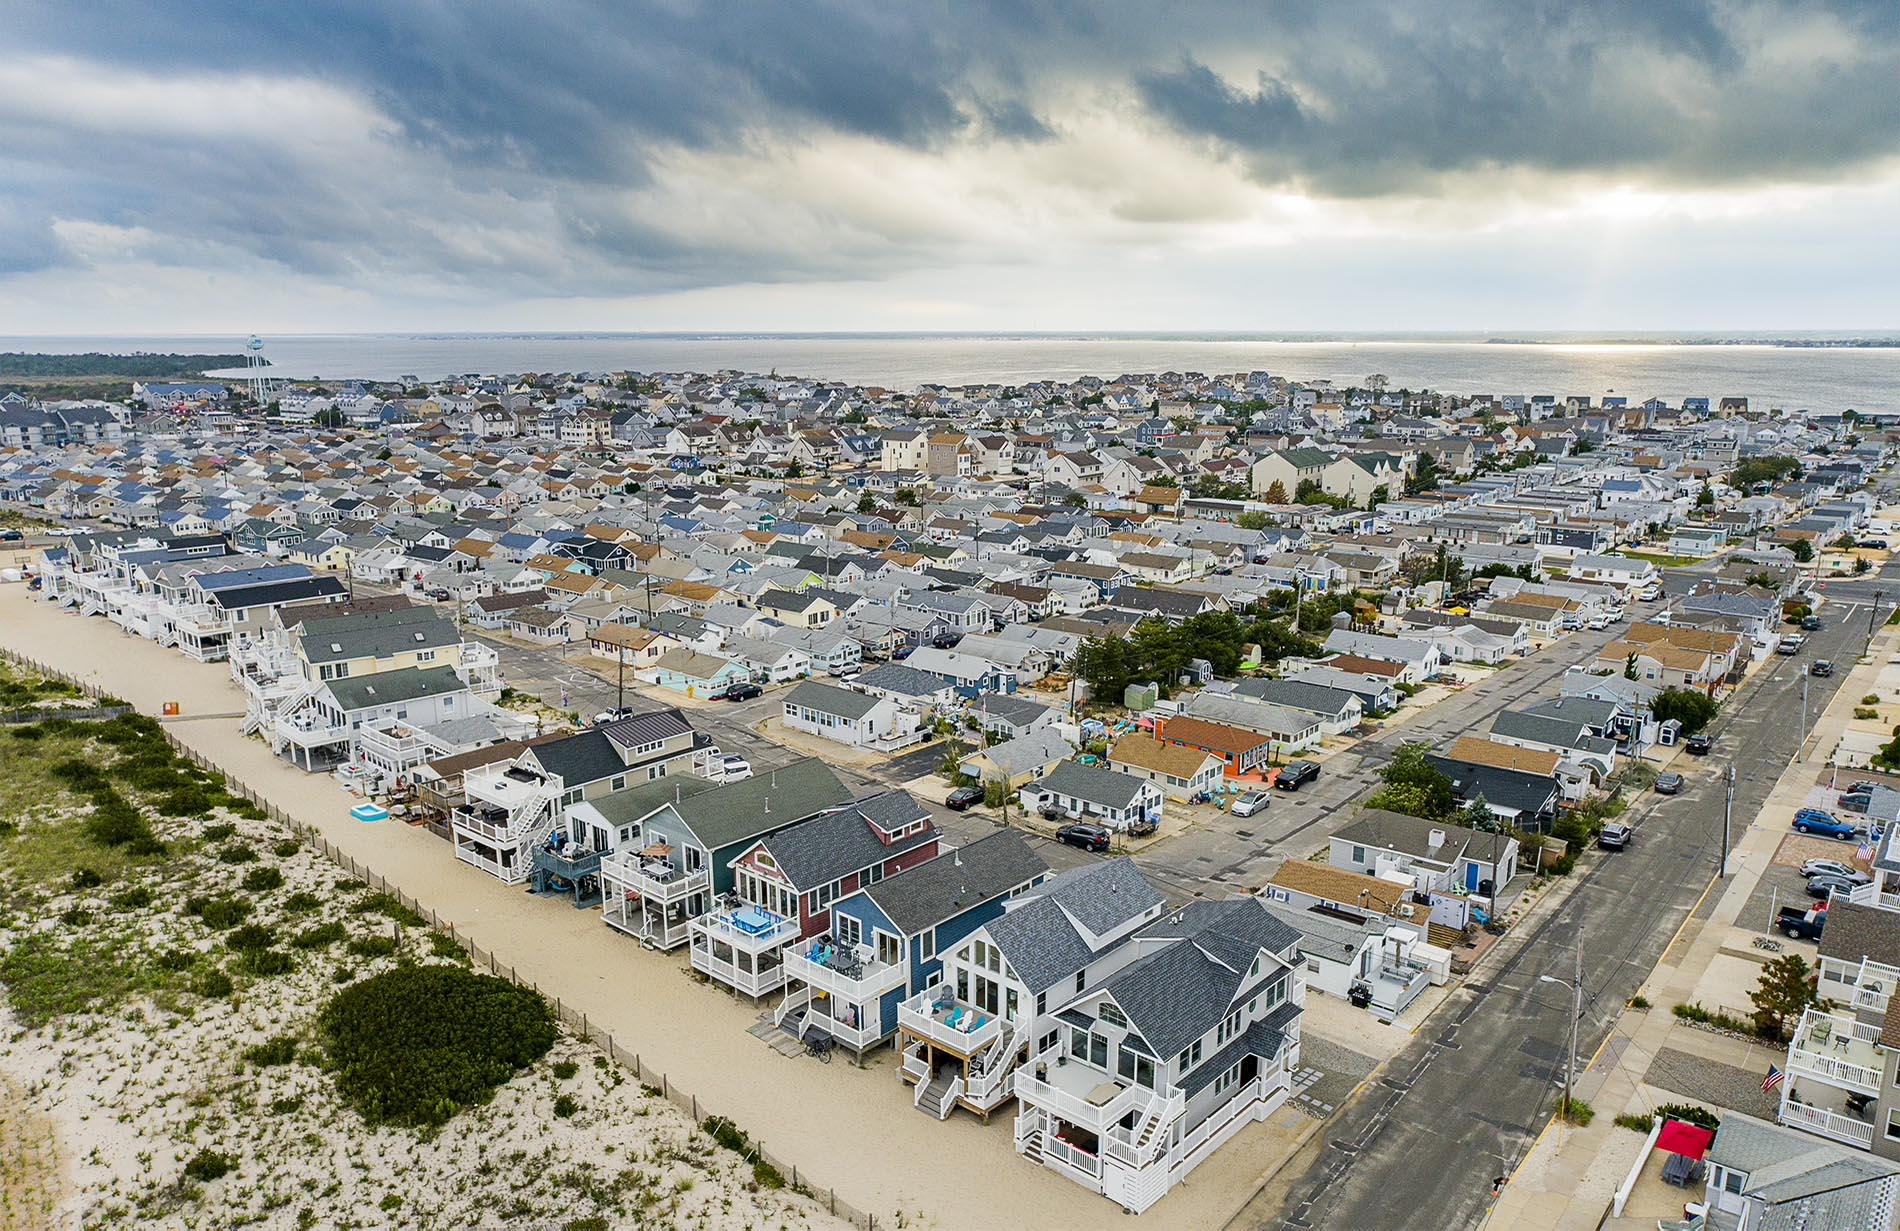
x: 1689, y: 1140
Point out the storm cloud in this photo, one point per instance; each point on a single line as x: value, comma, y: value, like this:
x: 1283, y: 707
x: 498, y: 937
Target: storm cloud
x: 574, y: 148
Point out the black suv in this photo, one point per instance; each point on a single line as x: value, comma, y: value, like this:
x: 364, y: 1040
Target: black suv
x: 1088, y: 837
x: 1295, y: 774
x: 743, y: 692
x: 1700, y: 745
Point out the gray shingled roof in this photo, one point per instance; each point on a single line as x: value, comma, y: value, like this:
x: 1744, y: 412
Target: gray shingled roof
x: 825, y: 848
x: 1395, y: 831
x: 940, y: 889
x: 904, y: 681
x: 1105, y: 787
x: 827, y: 699
x: 1264, y: 1038
x: 1040, y: 943
x: 390, y: 687
x: 1856, y: 932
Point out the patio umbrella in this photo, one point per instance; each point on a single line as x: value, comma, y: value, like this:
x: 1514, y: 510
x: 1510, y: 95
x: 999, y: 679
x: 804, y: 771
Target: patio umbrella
x: 1691, y: 1141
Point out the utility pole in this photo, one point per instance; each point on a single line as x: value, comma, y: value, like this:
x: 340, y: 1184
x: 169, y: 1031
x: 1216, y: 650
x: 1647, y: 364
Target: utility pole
x: 1873, y: 619
x: 1728, y: 810
x: 1804, y: 715
x: 620, y: 684
x: 1576, y: 1014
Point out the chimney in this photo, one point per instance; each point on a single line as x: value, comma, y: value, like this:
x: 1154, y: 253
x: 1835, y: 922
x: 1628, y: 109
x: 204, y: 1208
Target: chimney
x: 1435, y: 839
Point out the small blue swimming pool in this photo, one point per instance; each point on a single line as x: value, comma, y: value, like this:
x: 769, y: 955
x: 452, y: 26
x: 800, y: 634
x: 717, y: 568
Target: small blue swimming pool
x: 370, y: 812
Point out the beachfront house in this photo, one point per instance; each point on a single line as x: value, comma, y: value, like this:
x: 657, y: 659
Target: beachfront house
x: 675, y: 861
x: 885, y: 938
x: 1190, y: 1033
x: 786, y: 882
x: 964, y: 1035
x: 513, y: 806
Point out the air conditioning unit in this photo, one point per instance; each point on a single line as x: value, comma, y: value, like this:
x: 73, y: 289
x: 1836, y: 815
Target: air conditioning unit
x: 1407, y: 910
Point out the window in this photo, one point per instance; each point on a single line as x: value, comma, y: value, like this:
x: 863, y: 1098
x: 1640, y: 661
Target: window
x: 1227, y: 1080
x: 1733, y: 1181
x: 1112, y: 1014
x: 572, y: 797
x: 849, y: 929
x: 928, y: 944
x: 1190, y: 1057
x: 873, y: 874
x: 619, y: 784
x: 1136, y: 1068
x: 1227, y: 1029
x: 1081, y: 979
x: 1893, y: 1125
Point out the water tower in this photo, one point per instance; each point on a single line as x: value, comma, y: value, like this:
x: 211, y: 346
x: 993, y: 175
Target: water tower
x: 257, y: 372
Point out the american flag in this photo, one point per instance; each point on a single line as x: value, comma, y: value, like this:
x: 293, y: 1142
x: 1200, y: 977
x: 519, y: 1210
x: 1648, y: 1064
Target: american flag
x: 1774, y: 1078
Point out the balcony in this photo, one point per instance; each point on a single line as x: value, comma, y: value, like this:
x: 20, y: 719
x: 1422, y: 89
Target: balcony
x: 306, y: 729
x: 396, y: 748
x: 850, y: 972
x: 1836, y: 1124
x: 566, y: 858
x: 505, y: 789
x: 496, y: 824
x: 505, y: 865
x: 935, y: 1014
x: 651, y: 874
x: 743, y: 948
x: 1837, y: 1051
x: 859, y: 1027
x: 1078, y: 1093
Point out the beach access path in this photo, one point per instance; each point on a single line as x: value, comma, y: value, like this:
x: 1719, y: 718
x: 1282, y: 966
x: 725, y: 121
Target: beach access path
x: 850, y: 1129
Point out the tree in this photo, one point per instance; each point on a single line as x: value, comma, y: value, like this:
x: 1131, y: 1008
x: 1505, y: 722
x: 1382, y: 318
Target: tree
x: 1076, y: 500
x: 1693, y: 710
x: 1379, y: 496
x: 1705, y: 498
x: 907, y: 495
x: 328, y: 417
x: 1251, y: 521
x: 1861, y: 566
x: 1802, y: 550
x: 1770, y: 469
x: 1377, y: 382
x: 1784, y: 991
x: 1425, y: 478
x: 867, y: 503
x: 1414, y: 786
x: 1845, y: 542
x: 1277, y: 640
x: 1629, y: 666
x: 1276, y: 493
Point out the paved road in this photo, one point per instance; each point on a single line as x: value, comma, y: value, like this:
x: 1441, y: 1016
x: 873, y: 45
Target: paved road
x: 1463, y: 1102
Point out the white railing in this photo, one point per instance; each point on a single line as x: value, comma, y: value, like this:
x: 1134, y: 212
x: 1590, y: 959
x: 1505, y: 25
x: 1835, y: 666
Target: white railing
x: 972, y: 1029
x: 508, y: 874
x: 872, y: 977
x: 651, y: 878
x: 1062, y: 1152
x: 725, y: 927
x: 1828, y: 1124
x: 754, y: 982
x: 1857, y: 1077
x: 1074, y: 1108
x: 795, y: 1000
x: 992, y: 1078
x: 915, y: 1067
x: 307, y: 732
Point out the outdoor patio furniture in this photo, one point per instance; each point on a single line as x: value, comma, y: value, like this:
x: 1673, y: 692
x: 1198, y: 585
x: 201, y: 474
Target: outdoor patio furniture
x: 1823, y: 1030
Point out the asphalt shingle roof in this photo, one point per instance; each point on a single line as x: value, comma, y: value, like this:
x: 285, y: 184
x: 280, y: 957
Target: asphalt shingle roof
x: 942, y: 888
x: 737, y: 812
x: 834, y: 845
x: 828, y: 699
x: 392, y: 687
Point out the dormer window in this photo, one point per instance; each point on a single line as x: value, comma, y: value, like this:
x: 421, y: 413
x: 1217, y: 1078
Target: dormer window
x: 1112, y: 1014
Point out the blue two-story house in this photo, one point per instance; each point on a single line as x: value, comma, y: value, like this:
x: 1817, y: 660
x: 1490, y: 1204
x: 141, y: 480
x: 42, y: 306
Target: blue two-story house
x: 885, y: 939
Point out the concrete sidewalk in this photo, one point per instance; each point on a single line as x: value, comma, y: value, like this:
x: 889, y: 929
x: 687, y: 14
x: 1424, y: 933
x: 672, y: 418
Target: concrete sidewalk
x: 1569, y: 1178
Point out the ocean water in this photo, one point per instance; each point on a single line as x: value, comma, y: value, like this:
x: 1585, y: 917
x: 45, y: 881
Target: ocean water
x: 1830, y: 378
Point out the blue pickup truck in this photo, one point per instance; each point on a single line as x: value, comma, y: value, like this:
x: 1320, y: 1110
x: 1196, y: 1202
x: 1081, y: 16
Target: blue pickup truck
x: 1798, y: 924
x: 1823, y: 824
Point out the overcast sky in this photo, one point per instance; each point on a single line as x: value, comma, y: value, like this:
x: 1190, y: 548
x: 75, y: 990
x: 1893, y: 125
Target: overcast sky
x: 1068, y: 164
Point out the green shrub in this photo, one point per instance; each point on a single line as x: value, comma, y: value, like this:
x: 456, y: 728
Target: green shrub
x: 564, y: 1069
x: 176, y: 959
x: 208, y: 1165
x: 213, y: 985
x: 286, y: 1106
x: 263, y: 880
x: 75, y: 917
x: 1872, y: 698
x: 766, y: 1175
x: 565, y: 1105
x: 301, y: 903
x: 265, y: 963
x: 219, y: 914
x: 1690, y: 1113
x: 1861, y: 711
x: 321, y: 936
x: 117, y: 823
x: 138, y: 897
x: 1639, y: 1002
x: 237, y: 852
x: 372, y: 946
x: 389, y: 906
x: 219, y: 833
x: 251, y: 936
x: 1576, y: 1111
x: 86, y: 878
x: 1640, y: 1124
x: 1706, y: 1017
x: 286, y: 848
x: 416, y: 1044
x: 271, y: 1052
x: 724, y: 1132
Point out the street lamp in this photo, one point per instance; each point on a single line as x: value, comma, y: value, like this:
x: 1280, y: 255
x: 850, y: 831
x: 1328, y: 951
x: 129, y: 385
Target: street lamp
x: 1576, y: 1013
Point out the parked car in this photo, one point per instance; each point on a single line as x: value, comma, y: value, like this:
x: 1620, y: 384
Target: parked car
x: 743, y: 692
x: 617, y: 714
x: 1668, y: 784
x: 1824, y: 887
x: 1615, y: 837
x: 735, y: 769
x: 1856, y: 801
x: 1876, y: 544
x: 1827, y: 867
x: 1839, y: 872
x: 1822, y: 824
x: 10, y: 536
x: 1700, y: 745
x: 1798, y: 924
x: 964, y: 798
x: 1294, y: 774
x: 1789, y: 646
x: 1248, y: 804
x: 1087, y: 837
x: 1810, y: 624
x: 1822, y: 667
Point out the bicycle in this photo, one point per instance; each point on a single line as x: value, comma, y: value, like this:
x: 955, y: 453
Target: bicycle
x: 1767, y: 944
x: 819, y: 1047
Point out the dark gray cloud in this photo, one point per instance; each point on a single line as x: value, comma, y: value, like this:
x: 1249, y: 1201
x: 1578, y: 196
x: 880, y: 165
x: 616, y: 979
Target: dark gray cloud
x: 525, y: 134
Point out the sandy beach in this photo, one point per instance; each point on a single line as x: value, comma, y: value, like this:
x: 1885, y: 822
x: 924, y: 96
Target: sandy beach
x: 843, y: 1127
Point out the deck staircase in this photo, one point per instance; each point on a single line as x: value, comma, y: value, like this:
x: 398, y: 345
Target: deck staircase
x: 1444, y: 937
x: 938, y: 1096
